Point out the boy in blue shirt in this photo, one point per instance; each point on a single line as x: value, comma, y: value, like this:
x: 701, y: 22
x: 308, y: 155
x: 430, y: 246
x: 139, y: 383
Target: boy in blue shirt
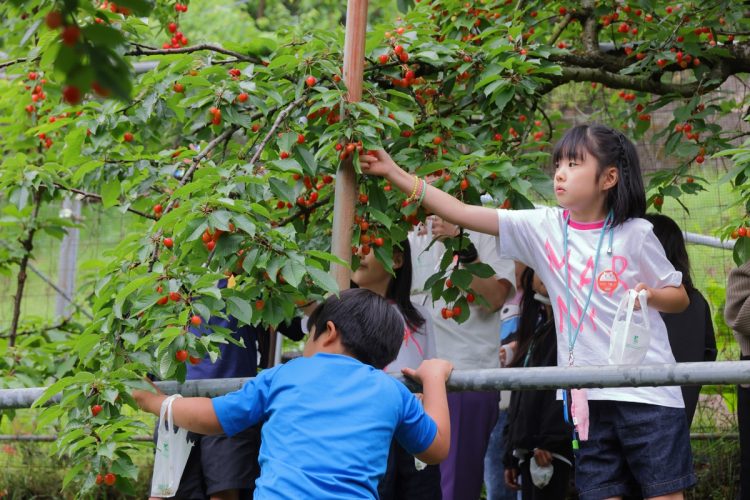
x: 330, y: 415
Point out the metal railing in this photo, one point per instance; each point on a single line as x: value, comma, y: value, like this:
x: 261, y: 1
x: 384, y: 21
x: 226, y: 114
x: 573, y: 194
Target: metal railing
x: 703, y: 373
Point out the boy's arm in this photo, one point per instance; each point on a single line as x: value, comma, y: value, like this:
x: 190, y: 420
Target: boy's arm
x: 432, y: 374
x: 670, y: 299
x: 481, y: 219
x: 193, y: 414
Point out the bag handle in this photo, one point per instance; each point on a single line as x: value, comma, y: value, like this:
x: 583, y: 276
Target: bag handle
x: 165, y: 412
x: 643, y: 300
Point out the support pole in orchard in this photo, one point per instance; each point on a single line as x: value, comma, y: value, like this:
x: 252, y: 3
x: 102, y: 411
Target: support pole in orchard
x: 346, y: 178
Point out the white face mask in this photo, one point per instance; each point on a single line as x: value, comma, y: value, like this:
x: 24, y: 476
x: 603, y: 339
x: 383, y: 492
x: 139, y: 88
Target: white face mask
x: 540, y: 476
x: 541, y: 298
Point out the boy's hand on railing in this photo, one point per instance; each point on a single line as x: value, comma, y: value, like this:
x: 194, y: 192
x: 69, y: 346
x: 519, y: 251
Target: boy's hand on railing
x: 430, y: 369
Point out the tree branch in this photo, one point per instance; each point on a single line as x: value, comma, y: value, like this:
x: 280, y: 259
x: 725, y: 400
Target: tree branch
x: 98, y: 198
x: 14, y: 61
x: 140, y: 51
x: 186, y: 178
x: 272, y: 131
x: 28, y: 246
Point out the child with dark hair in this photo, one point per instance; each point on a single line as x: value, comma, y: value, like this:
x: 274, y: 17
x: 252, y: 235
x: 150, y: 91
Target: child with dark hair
x: 589, y: 252
x: 691, y: 332
x: 330, y: 415
x: 536, y: 438
x: 404, y: 478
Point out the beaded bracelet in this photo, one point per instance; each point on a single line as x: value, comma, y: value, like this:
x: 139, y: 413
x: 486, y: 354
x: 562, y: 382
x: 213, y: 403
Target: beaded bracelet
x: 413, y: 195
x: 424, y: 190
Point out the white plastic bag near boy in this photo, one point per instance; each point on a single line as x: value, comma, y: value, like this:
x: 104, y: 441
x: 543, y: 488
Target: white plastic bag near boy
x: 172, y: 451
x: 630, y: 335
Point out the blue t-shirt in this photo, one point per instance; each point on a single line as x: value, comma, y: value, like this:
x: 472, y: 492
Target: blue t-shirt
x: 329, y: 421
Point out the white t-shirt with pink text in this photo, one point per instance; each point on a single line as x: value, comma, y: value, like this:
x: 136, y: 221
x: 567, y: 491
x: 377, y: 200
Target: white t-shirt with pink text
x: 535, y: 237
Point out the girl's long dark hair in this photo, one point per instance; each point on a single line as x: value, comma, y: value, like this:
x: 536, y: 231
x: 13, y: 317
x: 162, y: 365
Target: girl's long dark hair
x: 627, y: 198
x: 671, y: 238
x: 529, y: 317
x: 399, y: 289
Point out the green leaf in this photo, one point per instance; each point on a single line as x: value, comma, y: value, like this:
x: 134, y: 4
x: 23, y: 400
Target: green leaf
x: 323, y: 279
x: 369, y: 108
x: 72, y: 151
x: 111, y: 193
x: 461, y: 278
x: 128, y: 289
x: 240, y: 309
x: 293, y: 272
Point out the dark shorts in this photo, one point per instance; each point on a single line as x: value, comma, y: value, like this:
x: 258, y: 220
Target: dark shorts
x: 219, y: 463
x: 634, y: 449
x: 402, y: 480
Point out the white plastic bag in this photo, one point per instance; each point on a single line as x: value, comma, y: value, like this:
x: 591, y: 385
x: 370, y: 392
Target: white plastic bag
x: 172, y: 451
x: 630, y: 335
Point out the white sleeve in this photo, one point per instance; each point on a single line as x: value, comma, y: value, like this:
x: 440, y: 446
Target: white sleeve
x: 654, y: 268
x: 520, y: 234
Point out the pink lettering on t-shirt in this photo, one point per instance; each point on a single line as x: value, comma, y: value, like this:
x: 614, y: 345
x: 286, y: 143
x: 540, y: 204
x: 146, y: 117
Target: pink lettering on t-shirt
x: 584, y: 275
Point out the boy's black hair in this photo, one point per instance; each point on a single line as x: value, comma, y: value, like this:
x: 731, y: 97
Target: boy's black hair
x: 627, y: 198
x: 399, y: 288
x: 671, y: 238
x: 371, y: 330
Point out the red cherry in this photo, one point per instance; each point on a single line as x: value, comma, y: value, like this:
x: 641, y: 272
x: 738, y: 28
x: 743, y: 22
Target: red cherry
x: 210, y: 245
x: 196, y: 320
x: 54, y: 19
x: 464, y: 184
x: 194, y: 360
x: 181, y: 355
x: 242, y: 98
x: 99, y: 479
x: 383, y: 58
x: 742, y: 231
x: 379, y: 242
x: 96, y: 409
x: 470, y: 297
x: 448, y: 283
x: 658, y: 201
x: 127, y: 137
x: 284, y: 155
x: 178, y: 87
x: 260, y: 304
x: 363, y: 198
x: 327, y: 179
x: 32, y: 75
x: 310, y: 81
x: 300, y: 138
x: 109, y: 479
x: 172, y: 27
x: 699, y: 159
x: 398, y: 49
x: 163, y: 300
x: 71, y: 94
x: 158, y: 209
x: 437, y: 140
x: 70, y: 35
x: 457, y: 311
x: 174, y: 296
x: 168, y: 242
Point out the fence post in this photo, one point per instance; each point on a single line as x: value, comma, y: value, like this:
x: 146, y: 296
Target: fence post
x: 67, y: 262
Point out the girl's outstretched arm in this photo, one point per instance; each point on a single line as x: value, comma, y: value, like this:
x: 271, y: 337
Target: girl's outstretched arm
x: 481, y: 219
x: 670, y: 299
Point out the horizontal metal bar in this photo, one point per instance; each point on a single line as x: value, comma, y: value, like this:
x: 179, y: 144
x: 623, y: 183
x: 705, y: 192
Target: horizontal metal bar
x: 704, y: 373
x: 48, y: 438
x: 709, y: 241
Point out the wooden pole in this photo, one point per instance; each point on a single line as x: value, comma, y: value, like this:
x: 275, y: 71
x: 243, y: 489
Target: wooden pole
x: 346, y: 178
